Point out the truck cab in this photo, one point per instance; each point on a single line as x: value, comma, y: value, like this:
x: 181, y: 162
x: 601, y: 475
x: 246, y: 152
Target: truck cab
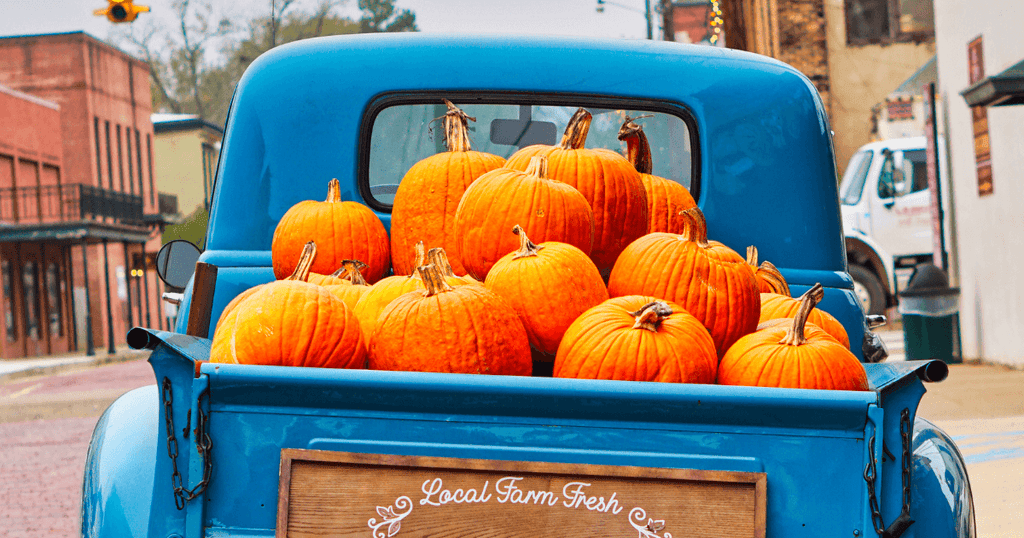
x: 232, y: 450
x: 887, y: 217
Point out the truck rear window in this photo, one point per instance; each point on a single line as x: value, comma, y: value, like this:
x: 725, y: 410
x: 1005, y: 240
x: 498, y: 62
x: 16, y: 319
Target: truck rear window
x: 404, y: 134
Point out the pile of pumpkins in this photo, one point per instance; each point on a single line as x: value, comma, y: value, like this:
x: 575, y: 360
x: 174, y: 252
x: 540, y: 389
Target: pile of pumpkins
x: 572, y: 260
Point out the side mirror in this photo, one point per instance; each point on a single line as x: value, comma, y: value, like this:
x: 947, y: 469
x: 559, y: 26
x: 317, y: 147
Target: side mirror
x: 176, y: 262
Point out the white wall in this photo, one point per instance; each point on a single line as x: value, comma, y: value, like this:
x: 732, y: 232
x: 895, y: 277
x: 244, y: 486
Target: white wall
x: 990, y: 229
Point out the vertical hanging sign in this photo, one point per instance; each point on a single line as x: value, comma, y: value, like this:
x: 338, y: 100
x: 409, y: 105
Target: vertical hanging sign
x: 979, y: 120
x: 934, y: 187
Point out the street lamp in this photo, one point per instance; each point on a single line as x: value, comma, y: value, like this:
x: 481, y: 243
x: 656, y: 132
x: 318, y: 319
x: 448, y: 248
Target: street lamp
x: 646, y: 12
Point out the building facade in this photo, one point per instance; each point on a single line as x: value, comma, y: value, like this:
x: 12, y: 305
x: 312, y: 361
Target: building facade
x: 855, y: 52
x: 187, y: 149
x: 981, y: 80
x: 94, y: 189
x: 34, y: 274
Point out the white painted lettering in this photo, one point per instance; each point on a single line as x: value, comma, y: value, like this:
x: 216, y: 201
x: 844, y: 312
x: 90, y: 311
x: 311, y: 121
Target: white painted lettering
x: 430, y: 491
x: 506, y: 487
x: 574, y: 497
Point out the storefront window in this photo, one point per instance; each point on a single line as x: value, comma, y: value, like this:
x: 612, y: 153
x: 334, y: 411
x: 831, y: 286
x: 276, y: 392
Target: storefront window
x: 29, y: 283
x: 7, y: 272
x: 54, y: 285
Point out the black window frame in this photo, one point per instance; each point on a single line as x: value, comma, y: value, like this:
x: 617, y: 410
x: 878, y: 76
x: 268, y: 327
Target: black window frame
x: 472, y: 97
x: 31, y: 312
x: 893, y: 33
x: 9, y: 273
x: 54, y: 302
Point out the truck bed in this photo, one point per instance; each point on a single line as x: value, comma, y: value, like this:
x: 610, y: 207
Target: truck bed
x: 810, y: 446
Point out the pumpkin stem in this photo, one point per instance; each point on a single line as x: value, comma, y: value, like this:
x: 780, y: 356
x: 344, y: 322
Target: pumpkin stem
x: 433, y: 280
x: 421, y: 258
x: 526, y: 247
x: 638, y: 149
x: 334, y: 191
x: 439, y: 258
x: 795, y: 334
x: 575, y: 135
x: 456, y: 128
x: 651, y: 315
x: 769, y: 272
x: 696, y: 229
x: 538, y: 167
x: 752, y: 256
x: 350, y: 270
x: 301, y: 271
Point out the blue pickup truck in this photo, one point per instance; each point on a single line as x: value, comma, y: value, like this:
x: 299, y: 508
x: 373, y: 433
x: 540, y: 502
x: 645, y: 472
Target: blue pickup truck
x: 221, y: 450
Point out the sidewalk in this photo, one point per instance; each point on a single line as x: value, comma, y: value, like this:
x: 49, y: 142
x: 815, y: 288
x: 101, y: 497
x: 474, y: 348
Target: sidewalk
x: 12, y: 369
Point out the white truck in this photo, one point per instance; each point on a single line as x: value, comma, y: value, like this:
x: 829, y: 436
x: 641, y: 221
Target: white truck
x: 887, y: 217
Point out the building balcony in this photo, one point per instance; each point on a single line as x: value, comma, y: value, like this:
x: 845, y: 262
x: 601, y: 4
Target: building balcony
x: 68, y: 203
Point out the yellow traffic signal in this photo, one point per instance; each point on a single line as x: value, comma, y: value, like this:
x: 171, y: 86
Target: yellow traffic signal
x: 121, y: 10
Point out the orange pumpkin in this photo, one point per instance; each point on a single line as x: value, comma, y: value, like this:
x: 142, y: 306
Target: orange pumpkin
x: 549, y: 286
x: 769, y: 278
x: 775, y: 306
x: 637, y: 338
x: 439, y: 258
x: 351, y: 290
x: 465, y: 330
x: 370, y: 305
x: 429, y: 193
x: 500, y: 199
x: 341, y: 230
x: 295, y: 323
x: 223, y: 334
x: 331, y: 279
x: 708, y: 279
x: 607, y: 181
x: 794, y: 355
x: 666, y: 199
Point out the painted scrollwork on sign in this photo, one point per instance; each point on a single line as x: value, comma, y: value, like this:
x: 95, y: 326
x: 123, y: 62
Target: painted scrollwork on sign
x: 651, y: 528
x: 391, y: 518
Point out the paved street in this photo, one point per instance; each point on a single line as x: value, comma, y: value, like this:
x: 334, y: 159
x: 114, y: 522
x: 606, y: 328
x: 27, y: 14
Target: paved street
x: 46, y: 423
x: 45, y: 427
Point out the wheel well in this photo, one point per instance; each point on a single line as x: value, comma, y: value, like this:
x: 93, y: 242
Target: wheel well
x: 859, y: 253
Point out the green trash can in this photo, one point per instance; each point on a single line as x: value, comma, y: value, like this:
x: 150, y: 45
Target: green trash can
x: 931, y: 324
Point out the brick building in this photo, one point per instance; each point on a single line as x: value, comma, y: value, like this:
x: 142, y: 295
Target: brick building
x: 855, y: 52
x: 81, y: 214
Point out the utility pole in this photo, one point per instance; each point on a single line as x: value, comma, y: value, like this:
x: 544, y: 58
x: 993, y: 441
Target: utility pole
x: 650, y: 24
x: 647, y: 13
x: 668, y: 28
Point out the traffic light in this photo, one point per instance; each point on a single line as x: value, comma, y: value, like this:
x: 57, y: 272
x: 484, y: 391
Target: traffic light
x: 121, y: 10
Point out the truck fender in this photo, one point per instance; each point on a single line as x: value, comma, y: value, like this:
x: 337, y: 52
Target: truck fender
x: 865, y: 251
x: 941, y: 504
x: 117, y: 488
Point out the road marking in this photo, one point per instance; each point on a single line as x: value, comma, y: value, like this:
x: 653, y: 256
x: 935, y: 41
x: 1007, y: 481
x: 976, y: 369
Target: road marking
x: 24, y: 391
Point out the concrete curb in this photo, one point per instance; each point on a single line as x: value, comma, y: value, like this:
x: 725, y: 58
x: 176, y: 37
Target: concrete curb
x: 65, y: 364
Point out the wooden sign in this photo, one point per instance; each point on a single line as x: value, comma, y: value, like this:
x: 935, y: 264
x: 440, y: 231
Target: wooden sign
x: 979, y: 119
x: 341, y: 494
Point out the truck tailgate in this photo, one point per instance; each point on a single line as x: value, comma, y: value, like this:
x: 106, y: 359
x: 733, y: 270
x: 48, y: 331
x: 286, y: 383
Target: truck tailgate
x: 810, y: 445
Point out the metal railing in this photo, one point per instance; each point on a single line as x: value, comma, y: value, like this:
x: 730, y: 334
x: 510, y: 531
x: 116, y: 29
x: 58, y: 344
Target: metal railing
x: 58, y: 203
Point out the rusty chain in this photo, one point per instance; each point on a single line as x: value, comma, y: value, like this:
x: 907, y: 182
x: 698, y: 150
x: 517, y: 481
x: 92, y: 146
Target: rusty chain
x: 204, y: 444
x: 903, y: 521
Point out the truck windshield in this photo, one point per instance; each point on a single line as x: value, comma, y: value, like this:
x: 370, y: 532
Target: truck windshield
x: 853, y: 179
x: 404, y: 134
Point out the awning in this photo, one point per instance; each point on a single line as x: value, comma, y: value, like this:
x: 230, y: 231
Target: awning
x: 1006, y: 88
x: 75, y: 232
